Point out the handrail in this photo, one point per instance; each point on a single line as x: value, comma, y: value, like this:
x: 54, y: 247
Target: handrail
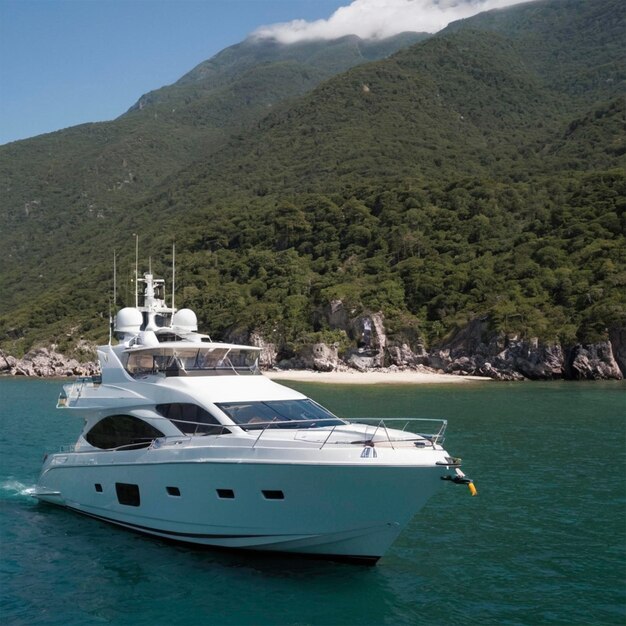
x: 73, y: 391
x: 268, y: 424
x: 434, y: 438
x: 330, y: 432
x: 224, y: 429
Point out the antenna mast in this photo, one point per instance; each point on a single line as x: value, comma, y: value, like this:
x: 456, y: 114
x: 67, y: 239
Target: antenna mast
x: 136, y: 267
x: 173, y: 275
x: 114, y: 297
x: 114, y: 279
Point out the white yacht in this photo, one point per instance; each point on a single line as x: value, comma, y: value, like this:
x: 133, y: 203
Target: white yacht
x: 185, y: 439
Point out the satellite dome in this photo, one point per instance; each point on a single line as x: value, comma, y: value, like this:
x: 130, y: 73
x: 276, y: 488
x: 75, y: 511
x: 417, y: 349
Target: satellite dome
x: 185, y: 319
x: 128, y: 320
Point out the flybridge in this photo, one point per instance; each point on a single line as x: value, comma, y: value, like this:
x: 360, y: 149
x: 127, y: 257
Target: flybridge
x: 189, y: 359
x: 157, y: 339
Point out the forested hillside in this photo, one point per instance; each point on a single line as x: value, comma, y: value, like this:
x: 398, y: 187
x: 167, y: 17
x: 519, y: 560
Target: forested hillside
x: 475, y: 174
x: 61, y: 189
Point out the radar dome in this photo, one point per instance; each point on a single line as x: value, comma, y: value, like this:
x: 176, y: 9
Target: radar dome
x: 185, y: 319
x: 128, y: 320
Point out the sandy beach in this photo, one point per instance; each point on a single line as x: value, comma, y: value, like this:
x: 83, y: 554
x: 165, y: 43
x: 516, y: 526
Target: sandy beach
x: 372, y: 378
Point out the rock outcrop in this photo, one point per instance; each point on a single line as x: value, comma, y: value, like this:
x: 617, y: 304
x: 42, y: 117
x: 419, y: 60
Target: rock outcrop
x: 45, y: 362
x: 510, y: 358
x: 498, y: 356
x: 592, y: 362
x: 320, y: 357
x: 7, y: 363
x: 269, y: 350
x: 617, y: 337
x: 369, y: 333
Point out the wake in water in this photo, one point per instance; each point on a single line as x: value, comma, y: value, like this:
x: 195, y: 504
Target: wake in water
x: 12, y: 488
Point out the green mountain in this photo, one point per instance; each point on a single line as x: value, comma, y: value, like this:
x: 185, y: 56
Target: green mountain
x: 476, y: 173
x: 575, y: 47
x: 60, y: 188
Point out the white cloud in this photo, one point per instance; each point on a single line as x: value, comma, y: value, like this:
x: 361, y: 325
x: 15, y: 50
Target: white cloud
x: 376, y: 19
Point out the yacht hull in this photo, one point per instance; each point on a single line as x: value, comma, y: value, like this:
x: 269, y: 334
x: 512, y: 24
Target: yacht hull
x: 350, y: 511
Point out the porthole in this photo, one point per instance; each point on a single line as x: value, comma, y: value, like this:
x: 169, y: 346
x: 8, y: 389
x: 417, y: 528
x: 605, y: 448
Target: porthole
x: 273, y: 494
x: 227, y: 494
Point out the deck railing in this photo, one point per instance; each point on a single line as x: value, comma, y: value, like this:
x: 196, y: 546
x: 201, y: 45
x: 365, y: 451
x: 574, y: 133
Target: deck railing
x: 436, y: 436
x: 72, y: 392
x: 379, y: 433
x: 379, y: 424
x: 424, y: 438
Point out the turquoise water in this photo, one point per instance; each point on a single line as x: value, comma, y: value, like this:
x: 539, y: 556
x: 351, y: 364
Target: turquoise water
x: 543, y: 543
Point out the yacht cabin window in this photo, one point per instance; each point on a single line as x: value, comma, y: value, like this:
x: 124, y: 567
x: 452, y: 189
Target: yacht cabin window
x: 168, y: 336
x: 191, y: 419
x: 279, y: 414
x: 122, y: 431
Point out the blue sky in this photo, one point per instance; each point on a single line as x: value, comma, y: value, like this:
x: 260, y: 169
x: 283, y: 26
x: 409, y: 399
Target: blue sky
x: 67, y: 62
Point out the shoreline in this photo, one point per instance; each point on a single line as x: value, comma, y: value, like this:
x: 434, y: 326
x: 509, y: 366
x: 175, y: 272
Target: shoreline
x: 372, y: 378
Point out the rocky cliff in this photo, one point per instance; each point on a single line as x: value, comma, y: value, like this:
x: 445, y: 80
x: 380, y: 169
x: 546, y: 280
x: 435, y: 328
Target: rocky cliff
x: 45, y: 362
x: 475, y: 349
x: 508, y: 357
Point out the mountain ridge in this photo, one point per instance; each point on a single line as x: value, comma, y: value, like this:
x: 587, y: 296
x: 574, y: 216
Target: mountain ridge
x: 324, y: 59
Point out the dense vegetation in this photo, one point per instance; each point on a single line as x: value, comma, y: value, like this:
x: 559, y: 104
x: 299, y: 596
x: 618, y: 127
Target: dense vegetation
x: 479, y: 172
x: 60, y: 189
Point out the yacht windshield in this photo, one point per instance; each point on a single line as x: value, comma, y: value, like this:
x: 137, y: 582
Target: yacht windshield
x: 279, y: 414
x: 192, y: 360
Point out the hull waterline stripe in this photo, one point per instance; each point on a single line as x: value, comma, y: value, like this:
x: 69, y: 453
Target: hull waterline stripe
x: 172, y: 533
x: 180, y: 537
